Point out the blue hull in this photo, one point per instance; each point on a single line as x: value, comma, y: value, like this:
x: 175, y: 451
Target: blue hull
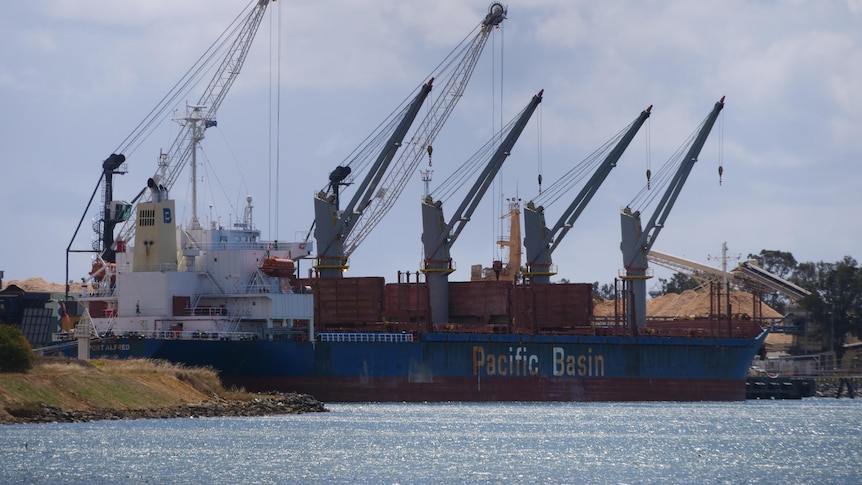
x: 470, y: 367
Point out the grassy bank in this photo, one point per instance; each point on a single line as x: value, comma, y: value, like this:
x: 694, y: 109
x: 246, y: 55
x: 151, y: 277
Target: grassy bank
x: 118, y: 386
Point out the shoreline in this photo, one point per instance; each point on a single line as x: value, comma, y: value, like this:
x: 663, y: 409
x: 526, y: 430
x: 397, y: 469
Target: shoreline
x: 70, y: 390
x: 269, y: 405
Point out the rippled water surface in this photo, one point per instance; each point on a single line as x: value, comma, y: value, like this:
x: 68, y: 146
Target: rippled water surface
x: 809, y: 441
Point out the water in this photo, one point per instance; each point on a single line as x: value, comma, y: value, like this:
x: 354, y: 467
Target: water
x: 808, y: 441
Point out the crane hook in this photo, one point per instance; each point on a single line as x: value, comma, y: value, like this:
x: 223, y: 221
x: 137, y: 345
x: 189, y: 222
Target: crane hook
x: 430, y: 149
x: 648, y: 175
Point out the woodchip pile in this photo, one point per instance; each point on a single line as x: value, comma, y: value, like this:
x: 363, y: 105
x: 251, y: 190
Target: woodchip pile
x: 40, y: 285
x: 692, y: 304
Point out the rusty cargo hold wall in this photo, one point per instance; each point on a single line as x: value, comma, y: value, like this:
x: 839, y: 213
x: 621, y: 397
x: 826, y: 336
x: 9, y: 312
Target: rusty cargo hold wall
x: 480, y: 302
x: 347, y: 302
x: 552, y: 308
x: 407, y: 303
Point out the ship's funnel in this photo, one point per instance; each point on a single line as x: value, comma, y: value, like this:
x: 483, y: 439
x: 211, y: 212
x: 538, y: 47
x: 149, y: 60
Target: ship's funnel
x: 154, y: 190
x: 159, y: 192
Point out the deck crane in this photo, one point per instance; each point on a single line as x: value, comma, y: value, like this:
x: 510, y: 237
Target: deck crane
x: 338, y: 233
x: 331, y: 223
x: 540, y: 242
x: 637, y: 241
x: 438, y: 236
x: 199, y: 117
x: 202, y: 115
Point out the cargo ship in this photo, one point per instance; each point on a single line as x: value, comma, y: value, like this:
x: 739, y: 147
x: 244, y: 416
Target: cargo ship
x: 207, y: 295
x: 224, y: 298
x: 234, y: 303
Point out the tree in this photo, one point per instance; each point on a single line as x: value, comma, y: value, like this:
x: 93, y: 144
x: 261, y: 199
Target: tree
x: 16, y: 355
x: 781, y: 264
x: 835, y: 303
x: 606, y: 292
x: 678, y: 283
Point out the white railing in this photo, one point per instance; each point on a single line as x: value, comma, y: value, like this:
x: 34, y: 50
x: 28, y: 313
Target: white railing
x: 364, y: 337
x: 168, y: 335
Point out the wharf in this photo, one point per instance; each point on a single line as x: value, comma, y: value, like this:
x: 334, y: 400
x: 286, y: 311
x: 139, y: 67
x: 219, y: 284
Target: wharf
x: 795, y: 387
x: 765, y: 387
x: 838, y: 386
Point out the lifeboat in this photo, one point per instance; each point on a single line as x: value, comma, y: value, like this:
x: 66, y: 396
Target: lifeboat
x: 278, y: 267
x: 101, y: 269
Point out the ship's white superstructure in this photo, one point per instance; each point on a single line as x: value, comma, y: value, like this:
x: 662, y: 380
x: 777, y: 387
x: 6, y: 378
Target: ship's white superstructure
x: 215, y: 282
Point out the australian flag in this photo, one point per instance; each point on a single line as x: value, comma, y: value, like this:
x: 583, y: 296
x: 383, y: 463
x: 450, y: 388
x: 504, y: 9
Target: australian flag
x: 210, y: 123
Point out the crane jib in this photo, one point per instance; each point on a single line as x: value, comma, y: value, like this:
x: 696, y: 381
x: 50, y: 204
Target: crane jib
x: 465, y: 211
x: 451, y: 79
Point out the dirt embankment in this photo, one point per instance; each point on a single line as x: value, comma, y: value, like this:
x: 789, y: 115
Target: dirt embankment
x: 69, y: 390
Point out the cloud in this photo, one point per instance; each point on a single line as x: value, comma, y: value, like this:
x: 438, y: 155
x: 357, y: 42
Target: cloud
x: 77, y: 77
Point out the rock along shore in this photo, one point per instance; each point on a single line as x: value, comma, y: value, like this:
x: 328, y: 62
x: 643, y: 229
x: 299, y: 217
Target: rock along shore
x: 269, y: 405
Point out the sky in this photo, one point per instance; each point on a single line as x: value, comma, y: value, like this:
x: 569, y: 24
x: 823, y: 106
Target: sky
x: 78, y: 76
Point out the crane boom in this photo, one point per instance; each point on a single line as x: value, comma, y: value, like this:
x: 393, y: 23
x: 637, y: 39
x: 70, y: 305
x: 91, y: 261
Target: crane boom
x: 637, y: 241
x: 214, y: 94
x: 438, y: 235
x: 405, y: 166
x: 331, y: 223
x: 541, y: 242
x: 202, y: 115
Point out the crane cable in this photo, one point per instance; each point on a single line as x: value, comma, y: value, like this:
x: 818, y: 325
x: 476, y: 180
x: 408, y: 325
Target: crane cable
x: 277, y: 122
x: 569, y: 180
x: 363, y: 155
x: 720, y: 148
x: 647, y: 143
x: 274, y: 141
x: 182, y: 87
x: 497, y: 217
x: 665, y: 173
x: 539, y: 146
x: 269, y: 194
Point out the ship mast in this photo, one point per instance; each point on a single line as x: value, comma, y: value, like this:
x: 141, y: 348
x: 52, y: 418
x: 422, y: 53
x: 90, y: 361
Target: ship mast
x: 513, y: 266
x: 194, y: 119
